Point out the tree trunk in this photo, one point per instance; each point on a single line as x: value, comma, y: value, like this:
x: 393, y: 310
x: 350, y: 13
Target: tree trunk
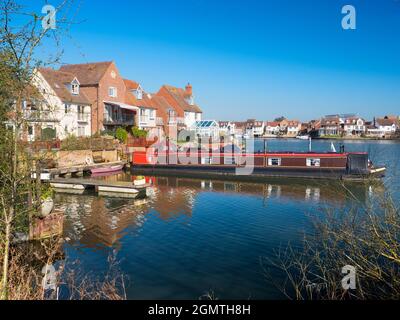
x: 4, y: 279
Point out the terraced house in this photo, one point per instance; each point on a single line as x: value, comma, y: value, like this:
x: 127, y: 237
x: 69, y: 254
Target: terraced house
x: 182, y: 110
x: 63, y: 108
x: 105, y: 88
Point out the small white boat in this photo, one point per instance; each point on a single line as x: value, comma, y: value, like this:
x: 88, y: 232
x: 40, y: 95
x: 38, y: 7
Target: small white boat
x: 303, y: 137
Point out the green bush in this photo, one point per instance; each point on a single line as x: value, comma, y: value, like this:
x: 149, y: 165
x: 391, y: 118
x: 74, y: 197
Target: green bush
x: 110, y: 133
x: 138, y: 133
x: 48, y: 134
x: 121, y: 134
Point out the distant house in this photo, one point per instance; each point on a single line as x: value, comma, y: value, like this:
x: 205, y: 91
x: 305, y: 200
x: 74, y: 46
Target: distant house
x: 227, y: 127
x: 272, y: 128
x: 64, y: 109
x: 354, y: 126
x: 293, y: 128
x: 386, y: 126
x: 330, y: 126
x: 255, y: 128
x: 240, y: 128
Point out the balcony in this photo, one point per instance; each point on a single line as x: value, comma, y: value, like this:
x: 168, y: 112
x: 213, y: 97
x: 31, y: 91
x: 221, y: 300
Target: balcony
x: 119, y: 120
x: 177, y: 121
x: 40, y: 116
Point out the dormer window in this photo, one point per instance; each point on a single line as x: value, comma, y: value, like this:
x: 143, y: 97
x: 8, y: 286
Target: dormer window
x: 139, y: 94
x: 75, y: 87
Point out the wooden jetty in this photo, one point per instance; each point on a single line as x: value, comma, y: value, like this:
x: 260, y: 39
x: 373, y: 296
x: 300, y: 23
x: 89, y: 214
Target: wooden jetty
x: 102, y: 187
x: 79, y: 170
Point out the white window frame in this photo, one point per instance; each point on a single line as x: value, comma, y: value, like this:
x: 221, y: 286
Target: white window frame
x: 270, y: 162
x: 75, y: 88
x: 81, y: 131
x: 112, y: 92
x: 313, y: 162
x: 152, y: 114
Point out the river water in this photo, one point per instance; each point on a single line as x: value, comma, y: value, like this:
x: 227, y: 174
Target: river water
x: 192, y: 236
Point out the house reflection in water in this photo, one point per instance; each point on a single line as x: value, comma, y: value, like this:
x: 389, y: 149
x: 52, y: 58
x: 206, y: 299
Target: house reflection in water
x: 95, y: 221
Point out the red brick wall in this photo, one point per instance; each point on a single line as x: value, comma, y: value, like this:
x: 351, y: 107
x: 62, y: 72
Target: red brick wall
x: 98, y: 94
x: 106, y: 82
x: 171, y: 101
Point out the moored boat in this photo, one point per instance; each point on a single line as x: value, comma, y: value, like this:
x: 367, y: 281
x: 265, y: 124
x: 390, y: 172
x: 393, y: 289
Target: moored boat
x: 303, y: 137
x: 323, y: 165
x: 106, y: 170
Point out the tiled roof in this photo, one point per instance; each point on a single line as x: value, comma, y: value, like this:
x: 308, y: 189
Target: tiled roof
x: 273, y: 124
x: 180, y: 98
x: 88, y: 73
x: 58, y: 80
x: 162, y: 106
x: 293, y: 123
x: 130, y: 98
x: 386, y: 122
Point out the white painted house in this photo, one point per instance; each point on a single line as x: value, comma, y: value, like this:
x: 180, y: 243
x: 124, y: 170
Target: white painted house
x: 354, y: 126
x: 293, y: 128
x: 387, y: 126
x: 64, y: 108
x: 272, y: 128
x: 255, y: 128
x: 146, y: 117
x: 227, y: 128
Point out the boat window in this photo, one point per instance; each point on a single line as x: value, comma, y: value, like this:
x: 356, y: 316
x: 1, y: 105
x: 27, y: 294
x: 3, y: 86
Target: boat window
x: 313, y: 162
x: 229, y: 160
x: 274, y: 161
x: 206, y: 160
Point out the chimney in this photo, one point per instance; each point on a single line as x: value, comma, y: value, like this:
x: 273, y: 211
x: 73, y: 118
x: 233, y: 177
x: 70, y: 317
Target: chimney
x: 188, y: 89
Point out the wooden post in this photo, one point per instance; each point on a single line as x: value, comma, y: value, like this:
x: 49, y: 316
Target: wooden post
x: 167, y: 155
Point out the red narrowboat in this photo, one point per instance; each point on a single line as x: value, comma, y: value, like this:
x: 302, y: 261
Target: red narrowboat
x: 328, y: 165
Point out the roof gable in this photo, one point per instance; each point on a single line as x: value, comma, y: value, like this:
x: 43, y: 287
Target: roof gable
x: 58, y: 81
x: 88, y: 73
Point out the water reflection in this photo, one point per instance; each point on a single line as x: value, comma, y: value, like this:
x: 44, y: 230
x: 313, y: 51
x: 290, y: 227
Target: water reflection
x: 94, y: 221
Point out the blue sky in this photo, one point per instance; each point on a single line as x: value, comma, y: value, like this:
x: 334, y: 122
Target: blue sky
x: 249, y: 59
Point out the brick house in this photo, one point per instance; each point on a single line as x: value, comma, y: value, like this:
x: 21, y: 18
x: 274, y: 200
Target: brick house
x: 183, y: 111
x: 146, y: 117
x: 105, y: 88
x: 330, y: 126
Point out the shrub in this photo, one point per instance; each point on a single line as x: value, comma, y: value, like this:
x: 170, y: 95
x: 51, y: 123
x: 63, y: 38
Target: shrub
x: 138, y: 133
x: 121, y: 134
x: 110, y: 133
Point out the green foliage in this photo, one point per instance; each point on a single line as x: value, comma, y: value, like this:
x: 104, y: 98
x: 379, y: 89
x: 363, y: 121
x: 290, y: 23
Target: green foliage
x: 110, y: 133
x: 48, y: 134
x: 280, y: 119
x: 122, y: 135
x: 138, y: 133
x: 47, y: 193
